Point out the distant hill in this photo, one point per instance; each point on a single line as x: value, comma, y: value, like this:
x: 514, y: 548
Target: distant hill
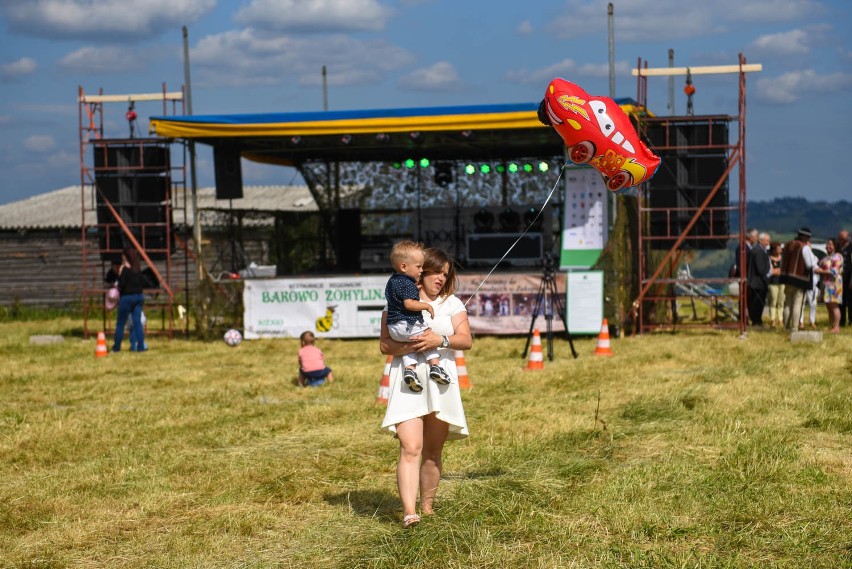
x: 781, y: 217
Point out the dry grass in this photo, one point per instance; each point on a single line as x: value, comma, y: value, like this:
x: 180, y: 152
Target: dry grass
x: 687, y: 450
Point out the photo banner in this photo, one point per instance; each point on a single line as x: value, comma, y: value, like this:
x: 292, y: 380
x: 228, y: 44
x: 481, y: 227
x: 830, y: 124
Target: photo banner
x: 351, y: 307
x: 584, y: 232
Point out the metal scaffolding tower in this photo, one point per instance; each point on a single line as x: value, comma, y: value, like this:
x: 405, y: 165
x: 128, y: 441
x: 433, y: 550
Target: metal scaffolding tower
x: 668, y: 282
x: 132, y: 192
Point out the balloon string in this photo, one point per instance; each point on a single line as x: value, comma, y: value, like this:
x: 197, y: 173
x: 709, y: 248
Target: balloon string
x: 521, y: 236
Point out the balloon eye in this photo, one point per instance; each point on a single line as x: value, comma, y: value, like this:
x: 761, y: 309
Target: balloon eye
x: 600, y: 111
x: 609, y: 126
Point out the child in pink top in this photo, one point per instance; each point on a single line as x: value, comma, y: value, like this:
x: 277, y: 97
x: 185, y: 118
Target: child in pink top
x: 312, y: 369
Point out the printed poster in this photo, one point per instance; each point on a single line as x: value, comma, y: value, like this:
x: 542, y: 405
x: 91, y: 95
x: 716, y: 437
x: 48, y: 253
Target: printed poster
x: 586, y: 222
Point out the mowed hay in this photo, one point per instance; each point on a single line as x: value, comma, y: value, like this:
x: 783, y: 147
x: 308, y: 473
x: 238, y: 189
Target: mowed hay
x: 694, y: 449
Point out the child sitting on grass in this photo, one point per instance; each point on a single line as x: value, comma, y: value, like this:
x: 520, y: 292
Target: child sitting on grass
x: 312, y: 369
x: 405, y: 311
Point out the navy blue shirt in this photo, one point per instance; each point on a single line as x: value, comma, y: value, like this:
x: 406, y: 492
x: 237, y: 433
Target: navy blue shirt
x: 400, y: 288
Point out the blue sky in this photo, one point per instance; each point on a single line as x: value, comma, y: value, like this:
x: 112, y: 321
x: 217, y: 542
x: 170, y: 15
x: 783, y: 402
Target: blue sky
x: 267, y: 56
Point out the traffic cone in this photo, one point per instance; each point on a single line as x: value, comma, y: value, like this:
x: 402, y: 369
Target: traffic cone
x: 602, y: 348
x: 536, y: 360
x: 101, y: 350
x: 461, y: 370
x: 384, y: 385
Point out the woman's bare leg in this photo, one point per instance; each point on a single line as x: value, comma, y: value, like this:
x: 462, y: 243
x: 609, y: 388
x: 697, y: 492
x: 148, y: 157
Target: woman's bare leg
x: 410, y: 435
x: 435, y: 434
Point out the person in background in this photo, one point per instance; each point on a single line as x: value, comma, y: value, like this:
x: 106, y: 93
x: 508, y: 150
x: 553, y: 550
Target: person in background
x: 424, y: 421
x: 312, y: 369
x: 131, y: 284
x: 797, y: 265
x: 844, y: 247
x: 830, y: 268
x: 758, y: 270
x: 776, y: 289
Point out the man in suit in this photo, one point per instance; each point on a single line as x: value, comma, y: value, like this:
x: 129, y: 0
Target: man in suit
x: 844, y: 247
x: 758, y: 268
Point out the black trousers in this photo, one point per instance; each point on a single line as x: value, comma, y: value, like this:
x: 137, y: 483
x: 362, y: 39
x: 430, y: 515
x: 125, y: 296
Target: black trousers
x: 846, y: 306
x: 755, y: 302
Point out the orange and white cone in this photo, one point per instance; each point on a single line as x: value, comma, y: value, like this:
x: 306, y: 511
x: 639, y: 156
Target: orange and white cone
x: 461, y: 370
x: 101, y: 349
x: 603, y: 348
x: 536, y: 360
x: 384, y: 385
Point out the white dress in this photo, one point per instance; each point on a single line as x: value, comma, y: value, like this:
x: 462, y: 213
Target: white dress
x: 443, y: 400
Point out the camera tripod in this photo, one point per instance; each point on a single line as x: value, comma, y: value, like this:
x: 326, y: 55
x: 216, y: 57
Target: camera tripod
x: 548, y: 287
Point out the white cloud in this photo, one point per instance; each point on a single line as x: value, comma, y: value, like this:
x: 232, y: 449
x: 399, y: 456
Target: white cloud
x: 314, y: 15
x: 441, y: 76
x: 655, y: 20
x: 19, y: 68
x: 566, y: 68
x: 102, y: 19
x: 102, y: 60
x: 39, y: 143
x: 796, y: 85
x: 244, y: 57
x: 525, y: 28
x: 793, y: 42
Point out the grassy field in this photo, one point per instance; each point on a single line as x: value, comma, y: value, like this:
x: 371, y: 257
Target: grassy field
x: 699, y: 449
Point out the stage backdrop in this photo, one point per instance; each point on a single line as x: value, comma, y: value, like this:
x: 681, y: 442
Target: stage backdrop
x: 351, y: 307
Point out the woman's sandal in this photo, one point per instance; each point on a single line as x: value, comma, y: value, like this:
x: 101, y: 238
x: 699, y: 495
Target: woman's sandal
x: 410, y: 520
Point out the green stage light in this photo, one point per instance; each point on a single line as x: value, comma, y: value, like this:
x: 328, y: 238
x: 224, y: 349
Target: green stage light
x: 485, y: 168
x: 543, y: 167
x: 409, y: 163
x: 396, y: 165
x: 500, y: 168
x: 513, y: 168
x: 528, y: 168
x: 424, y: 162
x: 470, y: 169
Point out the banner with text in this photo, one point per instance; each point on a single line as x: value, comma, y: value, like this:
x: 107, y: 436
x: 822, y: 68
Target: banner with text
x: 351, y: 307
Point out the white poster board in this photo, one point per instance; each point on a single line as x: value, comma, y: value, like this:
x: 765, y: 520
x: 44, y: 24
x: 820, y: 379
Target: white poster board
x: 584, y: 232
x: 584, y: 304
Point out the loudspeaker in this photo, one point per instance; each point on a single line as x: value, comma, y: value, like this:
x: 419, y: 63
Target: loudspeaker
x: 684, y: 185
x: 228, y: 171
x: 140, y: 202
x: 348, y: 237
x: 490, y: 247
x: 114, y: 159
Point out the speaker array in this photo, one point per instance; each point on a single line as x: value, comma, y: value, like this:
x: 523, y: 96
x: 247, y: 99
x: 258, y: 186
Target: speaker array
x: 135, y: 180
x: 693, y: 161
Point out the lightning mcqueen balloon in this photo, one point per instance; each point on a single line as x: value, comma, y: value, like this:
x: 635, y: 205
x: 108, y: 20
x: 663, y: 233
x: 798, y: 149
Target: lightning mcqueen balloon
x: 597, y: 132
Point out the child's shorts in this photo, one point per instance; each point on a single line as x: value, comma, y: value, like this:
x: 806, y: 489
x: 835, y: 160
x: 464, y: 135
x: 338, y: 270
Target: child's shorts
x: 316, y: 377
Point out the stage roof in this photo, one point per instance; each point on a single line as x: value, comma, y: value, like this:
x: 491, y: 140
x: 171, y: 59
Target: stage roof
x: 480, y: 132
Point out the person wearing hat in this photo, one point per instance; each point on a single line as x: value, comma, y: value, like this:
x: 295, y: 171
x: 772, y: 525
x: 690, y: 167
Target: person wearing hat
x: 797, y: 265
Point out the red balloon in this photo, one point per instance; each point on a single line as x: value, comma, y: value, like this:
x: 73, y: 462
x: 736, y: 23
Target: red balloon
x: 597, y: 132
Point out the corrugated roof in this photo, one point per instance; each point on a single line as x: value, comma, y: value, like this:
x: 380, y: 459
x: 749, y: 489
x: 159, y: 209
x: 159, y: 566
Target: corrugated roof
x: 62, y: 209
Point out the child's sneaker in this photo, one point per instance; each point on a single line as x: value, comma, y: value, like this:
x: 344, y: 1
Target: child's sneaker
x: 410, y: 379
x: 439, y: 375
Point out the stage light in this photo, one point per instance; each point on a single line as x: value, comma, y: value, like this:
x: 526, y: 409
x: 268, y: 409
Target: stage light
x: 500, y: 168
x: 443, y: 174
x: 513, y: 168
x: 468, y: 134
x: 485, y: 168
x: 346, y: 138
x: 509, y: 220
x: 396, y: 165
x: 409, y: 163
x: 424, y: 162
x: 470, y: 169
x: 528, y: 168
x: 383, y: 138
x: 543, y: 167
x: 416, y: 136
x: 296, y: 140
x: 483, y: 220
